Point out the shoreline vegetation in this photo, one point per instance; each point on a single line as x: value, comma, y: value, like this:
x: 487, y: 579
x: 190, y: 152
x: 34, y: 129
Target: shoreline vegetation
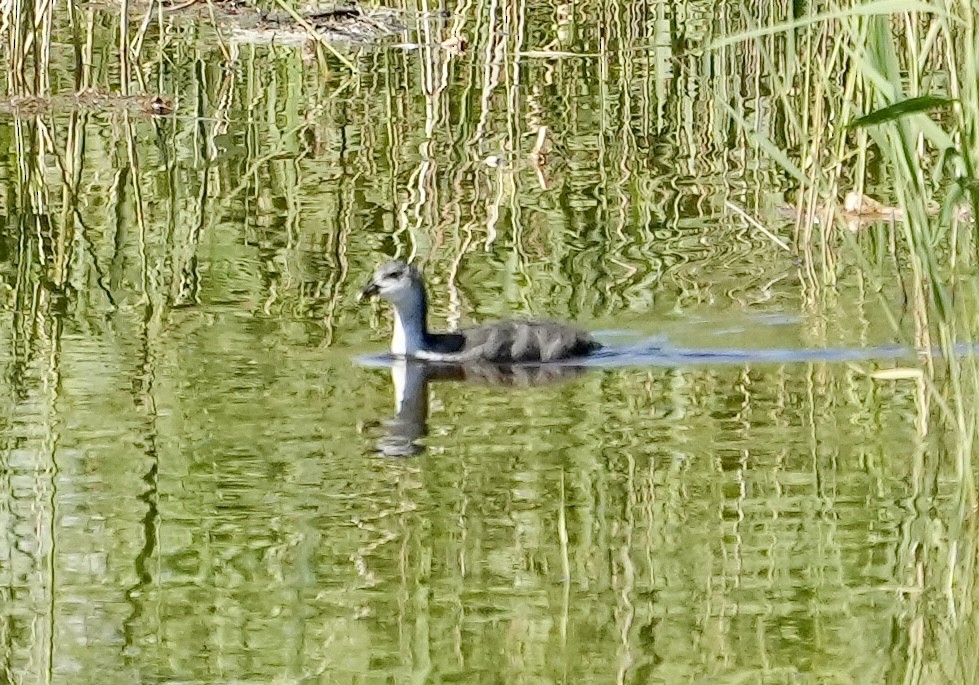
x: 864, y: 114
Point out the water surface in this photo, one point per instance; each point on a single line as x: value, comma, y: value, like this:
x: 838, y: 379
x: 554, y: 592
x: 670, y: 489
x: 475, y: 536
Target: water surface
x: 190, y: 483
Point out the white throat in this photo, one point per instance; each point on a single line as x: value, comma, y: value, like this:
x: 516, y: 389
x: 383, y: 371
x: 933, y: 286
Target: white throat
x: 408, y: 337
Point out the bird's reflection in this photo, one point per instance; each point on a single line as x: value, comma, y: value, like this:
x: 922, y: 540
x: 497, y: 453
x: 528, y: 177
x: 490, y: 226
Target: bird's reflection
x: 411, y: 378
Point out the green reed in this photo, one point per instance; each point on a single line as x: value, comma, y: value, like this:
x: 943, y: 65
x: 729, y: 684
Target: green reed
x: 892, y: 85
x: 882, y: 98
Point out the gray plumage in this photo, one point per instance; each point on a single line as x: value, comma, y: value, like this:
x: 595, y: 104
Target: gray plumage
x: 505, y: 342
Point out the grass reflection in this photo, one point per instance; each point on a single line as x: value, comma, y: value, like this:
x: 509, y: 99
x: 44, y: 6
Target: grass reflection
x: 187, y: 481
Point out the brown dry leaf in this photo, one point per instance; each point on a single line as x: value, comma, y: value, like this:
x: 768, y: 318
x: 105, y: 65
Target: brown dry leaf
x: 864, y: 205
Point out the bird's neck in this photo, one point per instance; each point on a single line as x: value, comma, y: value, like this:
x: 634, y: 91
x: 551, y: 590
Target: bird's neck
x: 410, y: 327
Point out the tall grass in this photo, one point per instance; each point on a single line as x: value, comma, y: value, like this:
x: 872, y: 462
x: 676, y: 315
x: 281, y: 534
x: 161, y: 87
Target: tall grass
x: 882, y: 97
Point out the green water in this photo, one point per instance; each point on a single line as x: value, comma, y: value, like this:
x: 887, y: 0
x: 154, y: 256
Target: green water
x: 190, y: 487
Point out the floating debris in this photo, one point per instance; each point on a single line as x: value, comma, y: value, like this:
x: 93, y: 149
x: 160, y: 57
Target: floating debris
x: 246, y: 23
x: 35, y: 105
x: 859, y: 206
x: 859, y: 211
x: 160, y: 106
x: 350, y: 24
x: 454, y: 45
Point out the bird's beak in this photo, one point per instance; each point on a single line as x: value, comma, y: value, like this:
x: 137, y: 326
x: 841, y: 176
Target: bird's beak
x: 369, y: 290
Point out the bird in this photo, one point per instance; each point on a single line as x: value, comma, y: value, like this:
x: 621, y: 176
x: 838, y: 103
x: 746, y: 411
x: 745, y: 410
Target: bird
x: 513, y: 341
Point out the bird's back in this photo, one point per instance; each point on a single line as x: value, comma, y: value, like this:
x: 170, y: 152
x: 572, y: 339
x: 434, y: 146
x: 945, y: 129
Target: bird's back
x: 514, y: 342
